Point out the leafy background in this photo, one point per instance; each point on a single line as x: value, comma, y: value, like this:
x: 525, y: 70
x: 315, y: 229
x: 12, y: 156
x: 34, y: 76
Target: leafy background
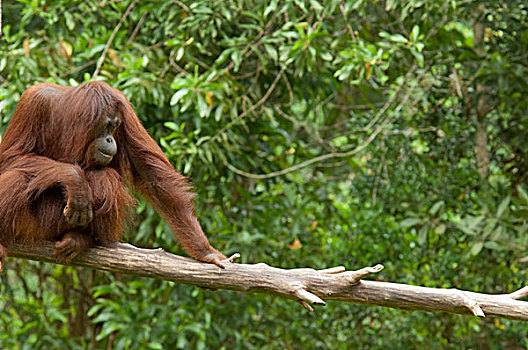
x: 316, y: 134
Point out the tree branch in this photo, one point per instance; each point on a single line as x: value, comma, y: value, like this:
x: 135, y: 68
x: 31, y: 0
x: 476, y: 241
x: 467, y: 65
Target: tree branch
x: 251, y: 109
x: 356, y: 150
x: 304, y: 285
x: 112, y: 36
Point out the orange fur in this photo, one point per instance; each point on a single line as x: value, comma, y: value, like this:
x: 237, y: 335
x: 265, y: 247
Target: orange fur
x: 45, y: 165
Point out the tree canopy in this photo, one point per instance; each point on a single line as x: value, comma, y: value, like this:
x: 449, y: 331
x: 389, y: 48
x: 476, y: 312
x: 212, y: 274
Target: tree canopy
x: 316, y: 133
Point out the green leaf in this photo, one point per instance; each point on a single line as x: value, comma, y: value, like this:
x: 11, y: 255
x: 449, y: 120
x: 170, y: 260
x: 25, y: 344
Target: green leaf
x: 33, y: 338
x: 272, y: 6
x: 70, y: 23
x: 94, y: 309
x: 493, y: 245
x: 476, y: 247
x: 202, y: 140
x: 196, y: 328
x: 236, y: 56
x: 520, y: 190
x: 109, y: 328
x: 173, y: 42
x: 503, y: 206
x: 327, y: 56
x: 419, y: 56
x: 203, y: 107
x: 440, y: 229
x: 179, y: 53
x: 396, y: 38
x: 178, y: 95
x: 316, y: 6
x: 179, y: 83
x: 434, y: 209
x: 422, y: 235
x: 410, y: 222
x: 219, y: 112
x: 104, y: 317
x: 415, y: 33
x: 172, y: 125
x: 101, y: 290
x: 272, y: 52
x: 489, y: 228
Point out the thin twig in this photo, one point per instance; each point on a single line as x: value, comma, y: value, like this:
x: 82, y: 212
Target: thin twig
x: 183, y: 6
x: 251, y: 109
x: 112, y: 36
x: 352, y: 152
x: 314, y: 133
x: 136, y: 29
x: 328, y: 155
x: 390, y: 100
x: 76, y: 69
x: 246, y: 48
x: 349, y: 28
x: 290, y: 91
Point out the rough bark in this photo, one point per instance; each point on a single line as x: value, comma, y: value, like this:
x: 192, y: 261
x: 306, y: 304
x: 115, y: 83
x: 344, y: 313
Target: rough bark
x: 304, y: 285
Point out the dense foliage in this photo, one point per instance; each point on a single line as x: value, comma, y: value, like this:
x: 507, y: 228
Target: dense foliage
x: 317, y: 133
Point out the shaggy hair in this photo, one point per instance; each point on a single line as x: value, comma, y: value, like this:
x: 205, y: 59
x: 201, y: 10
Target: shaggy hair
x: 46, y: 161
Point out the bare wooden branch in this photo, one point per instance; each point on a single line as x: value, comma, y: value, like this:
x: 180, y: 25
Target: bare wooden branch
x: 521, y: 293
x: 304, y: 285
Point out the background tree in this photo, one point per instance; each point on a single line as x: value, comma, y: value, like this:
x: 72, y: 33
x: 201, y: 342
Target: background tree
x: 316, y: 133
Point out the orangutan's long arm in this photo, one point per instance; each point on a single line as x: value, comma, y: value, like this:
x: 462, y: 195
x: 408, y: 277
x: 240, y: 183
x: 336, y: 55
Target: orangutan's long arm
x: 167, y: 190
